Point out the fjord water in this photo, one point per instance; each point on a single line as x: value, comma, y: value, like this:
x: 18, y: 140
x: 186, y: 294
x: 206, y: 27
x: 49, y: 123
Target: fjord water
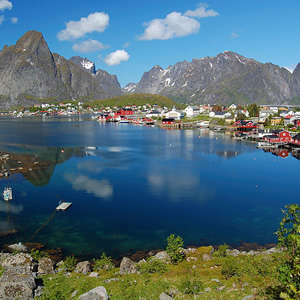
x: 132, y: 186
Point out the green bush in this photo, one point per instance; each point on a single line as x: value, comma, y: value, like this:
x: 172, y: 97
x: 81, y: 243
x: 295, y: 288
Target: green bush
x: 221, y: 252
x: 288, y: 236
x: 37, y: 254
x: 70, y: 263
x: 174, y: 249
x: 191, y: 286
x: 153, y: 265
x: 104, y: 263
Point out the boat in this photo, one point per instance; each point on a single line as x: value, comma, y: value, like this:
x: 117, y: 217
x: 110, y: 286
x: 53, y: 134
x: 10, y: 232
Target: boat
x: 7, y: 194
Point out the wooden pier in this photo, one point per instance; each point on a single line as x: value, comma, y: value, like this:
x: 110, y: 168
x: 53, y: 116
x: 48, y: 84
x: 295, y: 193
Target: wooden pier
x: 64, y: 206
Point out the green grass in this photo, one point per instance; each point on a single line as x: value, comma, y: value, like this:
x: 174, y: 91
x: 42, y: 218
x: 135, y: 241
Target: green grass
x: 134, y: 99
x: 237, y: 277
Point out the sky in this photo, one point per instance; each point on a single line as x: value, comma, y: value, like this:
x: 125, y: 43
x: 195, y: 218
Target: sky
x: 128, y: 38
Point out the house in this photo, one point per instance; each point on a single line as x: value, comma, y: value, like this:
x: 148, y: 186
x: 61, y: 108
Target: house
x: 232, y: 107
x: 219, y: 114
x: 278, y: 136
x: 205, y: 109
x: 153, y: 113
x: 295, y: 139
x: 168, y: 121
x: 192, y: 111
x: 264, y: 113
x: 177, y: 115
x: 275, y: 120
x: 288, y: 120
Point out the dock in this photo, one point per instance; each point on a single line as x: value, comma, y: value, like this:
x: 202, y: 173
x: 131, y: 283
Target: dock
x: 64, y: 206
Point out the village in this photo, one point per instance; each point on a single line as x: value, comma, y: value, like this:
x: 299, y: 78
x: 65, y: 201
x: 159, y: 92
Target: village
x: 274, y: 128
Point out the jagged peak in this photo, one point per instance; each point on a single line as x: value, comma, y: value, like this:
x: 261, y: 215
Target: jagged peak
x: 30, y: 40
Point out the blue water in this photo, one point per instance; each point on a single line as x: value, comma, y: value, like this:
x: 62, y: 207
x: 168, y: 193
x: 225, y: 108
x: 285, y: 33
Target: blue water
x: 132, y: 186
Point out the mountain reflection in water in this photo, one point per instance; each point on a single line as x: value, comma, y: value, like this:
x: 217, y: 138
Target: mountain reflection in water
x: 131, y: 187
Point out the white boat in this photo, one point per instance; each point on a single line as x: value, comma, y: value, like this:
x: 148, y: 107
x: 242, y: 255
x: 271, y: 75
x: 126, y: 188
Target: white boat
x: 7, y: 194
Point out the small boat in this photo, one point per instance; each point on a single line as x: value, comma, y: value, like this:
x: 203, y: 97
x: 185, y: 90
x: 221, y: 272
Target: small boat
x: 7, y: 194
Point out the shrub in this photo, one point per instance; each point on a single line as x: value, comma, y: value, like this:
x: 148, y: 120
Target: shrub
x: 70, y: 263
x: 174, y: 248
x: 230, y: 267
x: 221, y: 252
x: 37, y: 254
x: 288, y: 236
x: 153, y: 265
x: 191, y: 286
x: 104, y: 263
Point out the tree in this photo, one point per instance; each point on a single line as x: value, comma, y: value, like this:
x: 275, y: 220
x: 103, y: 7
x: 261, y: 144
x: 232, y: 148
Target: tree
x: 174, y: 248
x: 217, y: 108
x: 288, y: 236
x: 253, y: 110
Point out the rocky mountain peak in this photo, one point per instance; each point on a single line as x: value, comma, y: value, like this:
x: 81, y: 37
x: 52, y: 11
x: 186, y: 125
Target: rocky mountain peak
x: 84, y: 63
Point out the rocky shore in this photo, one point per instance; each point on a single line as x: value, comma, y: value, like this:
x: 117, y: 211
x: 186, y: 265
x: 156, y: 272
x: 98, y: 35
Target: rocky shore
x: 21, y: 274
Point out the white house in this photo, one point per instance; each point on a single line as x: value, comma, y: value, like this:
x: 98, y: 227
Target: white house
x: 219, y: 114
x: 192, y: 111
x: 177, y: 115
x: 232, y: 107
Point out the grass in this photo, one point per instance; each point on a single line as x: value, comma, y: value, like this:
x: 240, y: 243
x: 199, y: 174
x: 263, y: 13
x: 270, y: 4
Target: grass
x: 218, y: 278
x: 134, y: 99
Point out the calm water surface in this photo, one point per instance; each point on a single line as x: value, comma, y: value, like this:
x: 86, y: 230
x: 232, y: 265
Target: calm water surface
x: 131, y: 186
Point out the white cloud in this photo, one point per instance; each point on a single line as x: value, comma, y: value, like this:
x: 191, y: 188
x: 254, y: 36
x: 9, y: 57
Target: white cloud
x: 2, y: 18
x: 99, y: 188
x: 115, y: 58
x: 234, y: 35
x: 201, y: 12
x: 97, y: 21
x: 14, y: 20
x: 5, y: 4
x: 174, y: 25
x: 89, y: 46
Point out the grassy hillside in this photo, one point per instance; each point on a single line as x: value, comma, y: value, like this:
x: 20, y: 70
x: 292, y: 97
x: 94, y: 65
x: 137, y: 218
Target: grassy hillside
x: 134, y: 99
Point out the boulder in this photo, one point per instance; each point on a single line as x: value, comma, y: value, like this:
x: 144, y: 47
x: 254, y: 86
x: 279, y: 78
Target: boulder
x: 206, y: 257
x: 83, y: 267
x: 233, y: 252
x: 98, y: 293
x: 164, y: 296
x: 18, y: 247
x: 15, y: 290
x: 127, y: 266
x: 46, y: 266
x: 163, y: 256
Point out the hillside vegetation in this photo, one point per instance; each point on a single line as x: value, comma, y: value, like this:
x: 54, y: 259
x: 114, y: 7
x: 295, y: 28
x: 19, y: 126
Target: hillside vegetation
x: 134, y: 99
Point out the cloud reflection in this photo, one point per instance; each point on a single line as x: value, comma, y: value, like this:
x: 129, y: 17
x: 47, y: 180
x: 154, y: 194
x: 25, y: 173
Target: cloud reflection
x: 100, y: 188
x: 13, y: 208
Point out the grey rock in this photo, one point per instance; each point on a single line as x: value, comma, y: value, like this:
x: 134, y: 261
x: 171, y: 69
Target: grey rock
x: 46, y: 266
x: 98, y: 293
x: 248, y: 297
x: 127, y: 266
x: 233, y: 252
x: 206, y: 257
x: 83, y: 267
x: 207, y: 290
x: 221, y: 288
x: 94, y: 274
x: 38, y: 291
x: 74, y: 294
x: 18, y: 247
x: 164, y: 296
x: 163, y: 256
x: 191, y: 258
x: 110, y: 280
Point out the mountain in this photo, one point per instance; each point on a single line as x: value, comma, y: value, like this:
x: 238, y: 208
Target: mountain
x: 129, y: 88
x: 226, y: 78
x: 30, y: 73
x: 84, y: 63
x: 109, y: 83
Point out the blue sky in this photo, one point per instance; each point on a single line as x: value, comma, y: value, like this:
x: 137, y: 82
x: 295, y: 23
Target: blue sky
x: 127, y: 38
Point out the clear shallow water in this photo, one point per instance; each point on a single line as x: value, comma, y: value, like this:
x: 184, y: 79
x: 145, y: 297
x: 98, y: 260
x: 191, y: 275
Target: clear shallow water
x: 131, y: 186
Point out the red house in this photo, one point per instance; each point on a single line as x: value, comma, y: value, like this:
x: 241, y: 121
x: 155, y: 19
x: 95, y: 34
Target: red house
x: 168, y: 121
x: 279, y: 137
x: 295, y: 139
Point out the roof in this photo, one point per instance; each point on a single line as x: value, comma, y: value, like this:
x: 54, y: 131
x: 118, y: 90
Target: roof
x: 296, y: 137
